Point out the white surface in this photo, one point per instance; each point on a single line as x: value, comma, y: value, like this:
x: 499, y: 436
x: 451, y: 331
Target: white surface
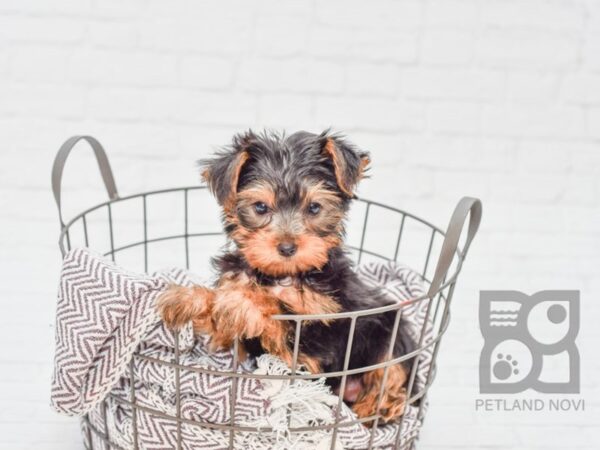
x: 495, y: 99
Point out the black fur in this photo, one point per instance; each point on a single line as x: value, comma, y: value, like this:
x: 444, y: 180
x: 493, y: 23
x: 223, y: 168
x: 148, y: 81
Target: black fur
x: 327, y: 342
x: 283, y: 160
x: 286, y: 162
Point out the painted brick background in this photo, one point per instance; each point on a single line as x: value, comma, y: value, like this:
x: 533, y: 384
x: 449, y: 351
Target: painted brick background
x: 497, y: 99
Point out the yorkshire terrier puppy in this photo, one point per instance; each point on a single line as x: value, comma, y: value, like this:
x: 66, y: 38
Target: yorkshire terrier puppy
x: 284, y: 201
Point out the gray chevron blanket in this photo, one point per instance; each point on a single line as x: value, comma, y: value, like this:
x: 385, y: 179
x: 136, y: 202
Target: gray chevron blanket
x: 110, y: 341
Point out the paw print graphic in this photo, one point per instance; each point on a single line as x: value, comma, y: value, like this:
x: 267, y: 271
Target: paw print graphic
x: 505, y: 367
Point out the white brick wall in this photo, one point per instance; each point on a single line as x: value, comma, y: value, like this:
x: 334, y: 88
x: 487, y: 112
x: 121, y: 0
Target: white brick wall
x: 498, y: 99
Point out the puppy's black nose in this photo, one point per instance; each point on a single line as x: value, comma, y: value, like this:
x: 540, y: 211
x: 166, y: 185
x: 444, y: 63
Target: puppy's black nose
x: 287, y: 249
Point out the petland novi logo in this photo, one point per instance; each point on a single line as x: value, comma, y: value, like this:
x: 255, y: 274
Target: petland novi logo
x: 529, y: 343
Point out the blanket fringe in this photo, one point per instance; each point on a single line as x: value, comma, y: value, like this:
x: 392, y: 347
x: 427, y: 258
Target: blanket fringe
x: 300, y: 403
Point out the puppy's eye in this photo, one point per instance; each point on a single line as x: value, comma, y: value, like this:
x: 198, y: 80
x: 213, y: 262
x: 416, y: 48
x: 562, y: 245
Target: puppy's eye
x: 261, y: 208
x: 314, y: 208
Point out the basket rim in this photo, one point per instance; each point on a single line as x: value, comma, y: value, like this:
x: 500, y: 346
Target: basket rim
x: 293, y: 317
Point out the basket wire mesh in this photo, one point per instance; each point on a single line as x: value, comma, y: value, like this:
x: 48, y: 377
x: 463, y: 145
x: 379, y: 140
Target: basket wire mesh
x: 364, y: 227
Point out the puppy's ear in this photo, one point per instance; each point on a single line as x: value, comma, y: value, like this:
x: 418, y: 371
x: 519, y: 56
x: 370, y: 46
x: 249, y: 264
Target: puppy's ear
x: 349, y: 163
x: 222, y: 173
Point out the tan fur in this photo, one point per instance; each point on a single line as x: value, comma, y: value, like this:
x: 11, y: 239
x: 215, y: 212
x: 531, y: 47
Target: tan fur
x: 339, y: 166
x: 257, y: 235
x: 391, y: 404
x: 318, y: 192
x: 304, y: 300
x: 237, y: 308
x: 364, y: 165
x: 331, y: 215
x: 258, y: 192
x: 243, y: 309
x: 259, y: 248
x: 240, y: 308
x: 179, y: 305
x: 230, y: 202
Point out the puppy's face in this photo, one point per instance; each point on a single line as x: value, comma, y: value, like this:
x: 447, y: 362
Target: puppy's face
x: 284, y: 198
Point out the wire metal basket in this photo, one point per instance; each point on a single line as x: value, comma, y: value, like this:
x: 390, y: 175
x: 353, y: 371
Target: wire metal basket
x: 184, y: 227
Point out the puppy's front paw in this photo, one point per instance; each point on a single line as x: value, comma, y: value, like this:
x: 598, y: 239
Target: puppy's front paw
x: 179, y: 305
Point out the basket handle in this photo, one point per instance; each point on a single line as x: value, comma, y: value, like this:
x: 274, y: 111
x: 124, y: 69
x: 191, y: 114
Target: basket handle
x: 59, y: 165
x: 466, y: 206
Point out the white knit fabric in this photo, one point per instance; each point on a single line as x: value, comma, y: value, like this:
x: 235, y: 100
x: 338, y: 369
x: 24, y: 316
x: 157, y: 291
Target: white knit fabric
x: 106, y: 316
